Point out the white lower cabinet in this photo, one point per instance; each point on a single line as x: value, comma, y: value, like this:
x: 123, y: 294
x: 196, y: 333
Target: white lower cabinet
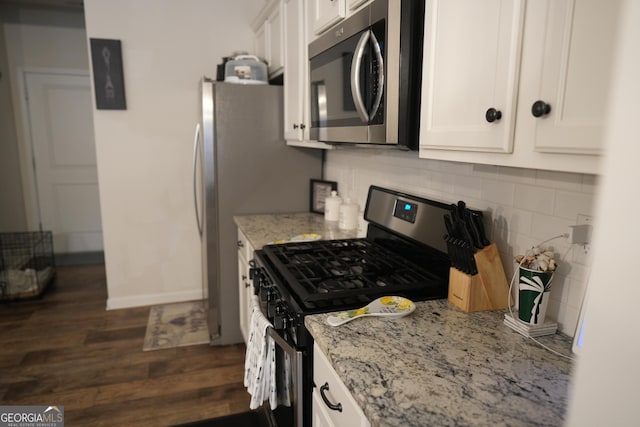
x: 245, y: 287
x: 333, y: 405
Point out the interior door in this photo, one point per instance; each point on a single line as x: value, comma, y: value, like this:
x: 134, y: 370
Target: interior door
x: 60, y: 118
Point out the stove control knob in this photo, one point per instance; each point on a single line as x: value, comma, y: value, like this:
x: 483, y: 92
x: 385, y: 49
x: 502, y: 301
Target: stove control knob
x: 267, y: 293
x: 272, y: 309
x: 281, y: 321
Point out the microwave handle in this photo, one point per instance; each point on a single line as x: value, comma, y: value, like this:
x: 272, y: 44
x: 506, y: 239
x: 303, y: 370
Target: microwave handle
x: 356, y: 63
x: 376, y: 49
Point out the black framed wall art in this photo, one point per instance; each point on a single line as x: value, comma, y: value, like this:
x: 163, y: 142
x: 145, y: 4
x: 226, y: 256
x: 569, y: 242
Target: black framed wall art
x: 108, y: 78
x: 319, y: 191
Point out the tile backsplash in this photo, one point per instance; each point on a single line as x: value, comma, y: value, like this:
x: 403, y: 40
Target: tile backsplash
x: 523, y: 207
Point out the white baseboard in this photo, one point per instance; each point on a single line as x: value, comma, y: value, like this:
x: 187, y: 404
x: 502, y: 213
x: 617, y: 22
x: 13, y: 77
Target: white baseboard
x: 153, y: 299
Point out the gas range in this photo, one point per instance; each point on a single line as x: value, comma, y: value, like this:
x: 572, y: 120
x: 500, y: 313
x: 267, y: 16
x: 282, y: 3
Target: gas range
x: 403, y: 254
x: 333, y: 275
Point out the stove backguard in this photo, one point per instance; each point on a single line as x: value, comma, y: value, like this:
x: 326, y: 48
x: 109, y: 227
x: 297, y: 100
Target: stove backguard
x: 414, y: 218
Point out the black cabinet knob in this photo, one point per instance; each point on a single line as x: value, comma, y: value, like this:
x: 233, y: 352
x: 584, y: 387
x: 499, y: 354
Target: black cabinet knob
x: 295, y: 126
x: 302, y: 126
x: 540, y: 108
x: 492, y: 115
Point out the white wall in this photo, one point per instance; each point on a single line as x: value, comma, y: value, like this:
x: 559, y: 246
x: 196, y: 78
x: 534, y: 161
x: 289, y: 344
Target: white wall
x: 526, y: 207
x: 152, y: 248
x: 605, y: 384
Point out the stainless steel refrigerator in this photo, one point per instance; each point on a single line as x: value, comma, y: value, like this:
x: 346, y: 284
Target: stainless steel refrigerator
x: 241, y: 166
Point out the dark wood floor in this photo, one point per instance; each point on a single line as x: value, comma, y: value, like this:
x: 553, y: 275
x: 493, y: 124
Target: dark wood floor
x: 66, y: 349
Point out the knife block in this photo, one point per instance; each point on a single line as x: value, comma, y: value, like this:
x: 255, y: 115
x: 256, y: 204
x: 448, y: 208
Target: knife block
x: 487, y: 290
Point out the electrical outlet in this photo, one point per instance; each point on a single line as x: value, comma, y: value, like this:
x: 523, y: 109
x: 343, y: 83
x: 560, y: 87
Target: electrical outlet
x: 580, y: 234
x: 584, y: 220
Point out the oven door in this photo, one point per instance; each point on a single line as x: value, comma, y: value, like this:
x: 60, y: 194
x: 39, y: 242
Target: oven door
x: 298, y: 362
x: 289, y: 416
x: 347, y: 88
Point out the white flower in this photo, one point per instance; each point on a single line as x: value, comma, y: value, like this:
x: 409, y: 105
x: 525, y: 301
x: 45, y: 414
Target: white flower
x: 538, y: 259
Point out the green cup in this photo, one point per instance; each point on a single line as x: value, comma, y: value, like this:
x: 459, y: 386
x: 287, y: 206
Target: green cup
x: 534, y: 290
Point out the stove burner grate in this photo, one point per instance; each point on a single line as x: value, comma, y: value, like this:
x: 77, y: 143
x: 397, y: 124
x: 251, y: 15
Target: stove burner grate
x: 321, y: 271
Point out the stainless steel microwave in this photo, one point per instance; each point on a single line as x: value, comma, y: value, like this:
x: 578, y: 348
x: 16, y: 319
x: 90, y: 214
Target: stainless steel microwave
x: 365, y: 75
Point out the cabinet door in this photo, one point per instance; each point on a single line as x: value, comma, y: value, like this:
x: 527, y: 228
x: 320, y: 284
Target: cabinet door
x: 325, y: 13
x: 470, y: 74
x: 245, y: 288
x: 321, y: 417
x: 296, y: 116
x: 260, y: 42
x: 328, y: 383
x: 571, y: 65
x: 276, y: 40
x: 244, y: 307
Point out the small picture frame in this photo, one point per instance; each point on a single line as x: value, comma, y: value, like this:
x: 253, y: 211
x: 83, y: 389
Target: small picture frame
x: 108, y: 79
x: 319, y: 191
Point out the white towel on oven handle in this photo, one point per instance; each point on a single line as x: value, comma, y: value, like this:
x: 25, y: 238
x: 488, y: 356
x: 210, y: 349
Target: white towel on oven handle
x: 260, y: 360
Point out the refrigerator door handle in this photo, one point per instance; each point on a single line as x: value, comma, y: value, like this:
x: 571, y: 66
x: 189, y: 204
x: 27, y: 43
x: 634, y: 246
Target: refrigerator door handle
x: 196, y: 146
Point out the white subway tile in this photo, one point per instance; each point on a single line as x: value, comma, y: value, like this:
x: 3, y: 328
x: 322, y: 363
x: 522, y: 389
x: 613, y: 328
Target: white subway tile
x: 559, y: 180
x: 545, y: 227
x: 518, y: 175
x: 570, y: 204
x: 501, y: 192
x: 486, y: 171
x: 522, y: 207
x: 536, y: 199
x: 590, y: 184
x: 458, y: 168
x: 468, y: 186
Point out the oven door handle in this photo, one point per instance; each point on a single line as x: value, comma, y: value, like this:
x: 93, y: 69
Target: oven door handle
x: 378, y: 52
x: 356, y: 64
x: 296, y: 368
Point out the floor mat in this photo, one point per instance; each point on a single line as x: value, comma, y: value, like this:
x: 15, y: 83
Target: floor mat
x: 176, y: 325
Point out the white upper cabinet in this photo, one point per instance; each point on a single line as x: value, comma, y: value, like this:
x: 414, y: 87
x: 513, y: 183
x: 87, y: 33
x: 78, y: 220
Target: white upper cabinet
x: 568, y: 69
x: 471, y: 59
x: 354, y: 4
x: 296, y: 97
x: 544, y: 65
x: 276, y: 33
x: 324, y: 13
x: 281, y: 33
x: 297, y: 117
x: 268, y: 29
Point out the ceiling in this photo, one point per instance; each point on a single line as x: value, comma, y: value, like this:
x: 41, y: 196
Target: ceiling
x: 57, y: 4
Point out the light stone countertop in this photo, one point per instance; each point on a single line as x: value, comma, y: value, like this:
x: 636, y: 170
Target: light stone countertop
x: 440, y: 366
x: 263, y: 229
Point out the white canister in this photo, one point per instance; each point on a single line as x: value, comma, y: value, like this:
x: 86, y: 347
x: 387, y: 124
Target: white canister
x: 332, y: 207
x: 348, y: 219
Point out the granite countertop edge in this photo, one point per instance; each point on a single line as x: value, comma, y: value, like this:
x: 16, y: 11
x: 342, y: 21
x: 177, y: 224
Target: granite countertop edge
x: 262, y: 229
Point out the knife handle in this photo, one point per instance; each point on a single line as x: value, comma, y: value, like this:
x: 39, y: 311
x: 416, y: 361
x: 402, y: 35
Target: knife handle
x: 476, y: 217
x: 475, y: 232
